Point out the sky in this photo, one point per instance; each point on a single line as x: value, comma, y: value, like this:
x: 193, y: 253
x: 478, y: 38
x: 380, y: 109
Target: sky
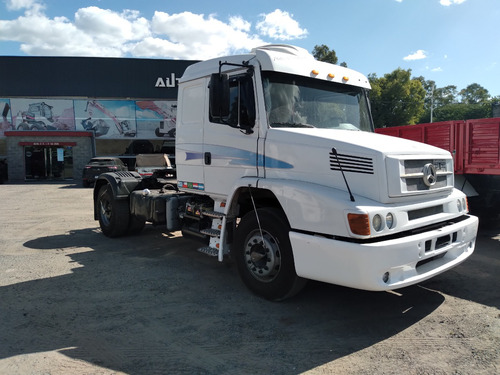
x: 452, y: 42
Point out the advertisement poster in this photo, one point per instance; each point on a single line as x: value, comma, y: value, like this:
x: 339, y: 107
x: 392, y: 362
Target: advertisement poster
x: 112, y: 119
x: 42, y: 114
x: 108, y: 119
x: 156, y: 118
x: 6, y: 123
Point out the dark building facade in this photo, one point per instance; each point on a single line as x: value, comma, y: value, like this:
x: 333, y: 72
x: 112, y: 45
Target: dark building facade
x: 58, y: 112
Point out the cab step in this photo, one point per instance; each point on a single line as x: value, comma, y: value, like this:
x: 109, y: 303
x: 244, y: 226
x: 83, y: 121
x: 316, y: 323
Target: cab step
x: 211, y: 251
x: 214, y: 214
x: 211, y: 232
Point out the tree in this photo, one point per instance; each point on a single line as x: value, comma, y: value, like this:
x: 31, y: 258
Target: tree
x: 445, y: 95
x: 436, y: 97
x: 323, y: 53
x: 475, y: 103
x: 474, y: 94
x: 396, y: 98
x: 462, y: 111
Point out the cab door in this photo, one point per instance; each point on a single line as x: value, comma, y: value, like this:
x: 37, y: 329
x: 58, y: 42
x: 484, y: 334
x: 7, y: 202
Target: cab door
x: 230, y: 149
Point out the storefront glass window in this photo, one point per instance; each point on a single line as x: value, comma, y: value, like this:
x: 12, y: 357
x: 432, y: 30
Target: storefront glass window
x: 48, y: 162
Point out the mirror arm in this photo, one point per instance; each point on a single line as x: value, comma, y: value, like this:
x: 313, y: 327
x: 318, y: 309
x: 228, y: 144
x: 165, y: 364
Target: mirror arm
x: 244, y: 64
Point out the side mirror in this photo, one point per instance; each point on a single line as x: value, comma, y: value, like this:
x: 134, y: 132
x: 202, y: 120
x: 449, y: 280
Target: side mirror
x: 219, y: 95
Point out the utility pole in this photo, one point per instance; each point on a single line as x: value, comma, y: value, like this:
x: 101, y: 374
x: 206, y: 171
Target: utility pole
x: 432, y: 100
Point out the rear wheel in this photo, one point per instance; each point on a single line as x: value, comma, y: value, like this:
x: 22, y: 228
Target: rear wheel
x: 264, y: 255
x: 114, y: 215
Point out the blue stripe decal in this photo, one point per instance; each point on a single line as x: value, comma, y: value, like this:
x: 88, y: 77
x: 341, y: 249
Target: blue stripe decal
x: 237, y: 156
x: 193, y: 155
x: 275, y: 163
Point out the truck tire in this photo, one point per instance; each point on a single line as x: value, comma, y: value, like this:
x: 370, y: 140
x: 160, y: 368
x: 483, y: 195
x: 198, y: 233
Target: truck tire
x: 114, y: 215
x: 265, y: 262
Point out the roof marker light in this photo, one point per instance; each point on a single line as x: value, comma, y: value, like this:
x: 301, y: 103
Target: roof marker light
x: 315, y: 72
x: 345, y: 78
x: 331, y: 75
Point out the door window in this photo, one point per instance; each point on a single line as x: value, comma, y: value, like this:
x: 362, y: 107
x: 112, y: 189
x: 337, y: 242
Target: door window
x: 242, y: 103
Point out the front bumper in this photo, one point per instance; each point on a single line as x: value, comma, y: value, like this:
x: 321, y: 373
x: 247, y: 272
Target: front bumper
x: 386, y: 264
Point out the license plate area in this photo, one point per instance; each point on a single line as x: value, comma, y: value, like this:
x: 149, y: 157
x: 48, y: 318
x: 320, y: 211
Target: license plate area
x: 440, y: 242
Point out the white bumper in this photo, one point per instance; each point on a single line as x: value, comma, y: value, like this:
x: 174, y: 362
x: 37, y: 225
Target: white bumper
x: 364, y: 265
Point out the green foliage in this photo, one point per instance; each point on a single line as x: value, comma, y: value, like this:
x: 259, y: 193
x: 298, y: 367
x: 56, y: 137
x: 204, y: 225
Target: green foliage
x: 475, y: 103
x: 323, y: 53
x: 396, y: 98
x: 474, y: 94
x: 462, y: 111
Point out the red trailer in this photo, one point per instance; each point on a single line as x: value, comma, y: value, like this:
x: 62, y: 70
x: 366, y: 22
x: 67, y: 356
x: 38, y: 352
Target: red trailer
x: 475, y: 146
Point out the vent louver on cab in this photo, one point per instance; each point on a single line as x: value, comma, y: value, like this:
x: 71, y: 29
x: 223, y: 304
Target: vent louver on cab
x: 351, y: 163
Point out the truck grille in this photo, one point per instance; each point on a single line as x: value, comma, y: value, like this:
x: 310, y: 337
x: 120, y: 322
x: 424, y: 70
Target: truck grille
x: 415, y: 171
x: 407, y: 176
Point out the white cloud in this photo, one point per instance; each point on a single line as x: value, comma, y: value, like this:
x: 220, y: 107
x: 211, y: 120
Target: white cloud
x: 419, y: 55
x: 199, y: 37
x: 239, y: 23
x: 102, y: 32
x: 447, y: 3
x: 31, y: 7
x: 20, y: 4
x: 109, y: 27
x: 280, y: 25
x: 438, y: 69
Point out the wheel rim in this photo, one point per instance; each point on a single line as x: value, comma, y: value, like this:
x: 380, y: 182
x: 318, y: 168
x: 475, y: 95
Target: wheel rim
x: 105, y: 209
x: 262, y: 256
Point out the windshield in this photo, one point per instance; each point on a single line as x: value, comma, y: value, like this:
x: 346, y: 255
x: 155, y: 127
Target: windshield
x: 295, y: 101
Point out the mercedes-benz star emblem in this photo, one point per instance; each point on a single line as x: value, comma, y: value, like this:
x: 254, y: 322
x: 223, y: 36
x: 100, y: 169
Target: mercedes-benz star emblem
x: 430, y: 174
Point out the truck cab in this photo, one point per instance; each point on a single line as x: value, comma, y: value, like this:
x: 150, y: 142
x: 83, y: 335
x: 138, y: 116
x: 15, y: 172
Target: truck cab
x: 278, y: 164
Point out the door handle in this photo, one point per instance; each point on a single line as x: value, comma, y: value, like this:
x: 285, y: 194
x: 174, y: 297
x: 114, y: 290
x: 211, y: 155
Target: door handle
x: 208, y: 158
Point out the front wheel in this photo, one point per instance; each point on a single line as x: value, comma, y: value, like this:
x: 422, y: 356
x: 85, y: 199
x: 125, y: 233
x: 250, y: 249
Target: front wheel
x: 264, y: 255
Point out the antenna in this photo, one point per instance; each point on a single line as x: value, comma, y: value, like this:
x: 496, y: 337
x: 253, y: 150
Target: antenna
x: 334, y: 152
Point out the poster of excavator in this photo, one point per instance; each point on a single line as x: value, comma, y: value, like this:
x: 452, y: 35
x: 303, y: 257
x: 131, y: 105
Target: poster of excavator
x: 42, y: 114
x: 113, y: 119
x: 107, y: 119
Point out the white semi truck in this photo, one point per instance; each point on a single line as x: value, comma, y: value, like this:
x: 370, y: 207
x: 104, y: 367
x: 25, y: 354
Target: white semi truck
x: 278, y: 168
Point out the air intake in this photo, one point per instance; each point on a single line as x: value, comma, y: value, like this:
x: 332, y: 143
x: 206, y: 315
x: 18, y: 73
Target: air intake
x: 351, y: 163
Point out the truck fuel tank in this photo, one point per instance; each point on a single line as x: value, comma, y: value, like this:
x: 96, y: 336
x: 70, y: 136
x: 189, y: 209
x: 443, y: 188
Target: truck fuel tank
x: 158, y: 206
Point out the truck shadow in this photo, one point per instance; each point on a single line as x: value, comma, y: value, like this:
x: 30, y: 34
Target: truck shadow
x: 145, y: 305
x: 477, y: 278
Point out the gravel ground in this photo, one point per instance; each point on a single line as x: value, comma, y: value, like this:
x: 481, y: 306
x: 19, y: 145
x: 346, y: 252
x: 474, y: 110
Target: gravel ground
x: 75, y: 302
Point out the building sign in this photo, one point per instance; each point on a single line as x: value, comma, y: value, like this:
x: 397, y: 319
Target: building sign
x: 167, y: 82
x: 47, y: 143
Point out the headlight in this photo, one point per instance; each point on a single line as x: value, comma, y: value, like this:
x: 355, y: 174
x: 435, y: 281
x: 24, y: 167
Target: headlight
x: 377, y: 223
x: 389, y: 220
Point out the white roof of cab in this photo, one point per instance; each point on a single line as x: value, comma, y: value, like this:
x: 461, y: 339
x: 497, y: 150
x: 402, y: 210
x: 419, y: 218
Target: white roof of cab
x: 280, y: 58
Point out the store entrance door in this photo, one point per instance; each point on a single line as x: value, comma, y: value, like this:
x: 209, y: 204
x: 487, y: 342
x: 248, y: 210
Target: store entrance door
x: 48, y: 162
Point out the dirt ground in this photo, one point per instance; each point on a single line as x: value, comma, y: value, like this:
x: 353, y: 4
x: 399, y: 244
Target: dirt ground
x: 75, y: 302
